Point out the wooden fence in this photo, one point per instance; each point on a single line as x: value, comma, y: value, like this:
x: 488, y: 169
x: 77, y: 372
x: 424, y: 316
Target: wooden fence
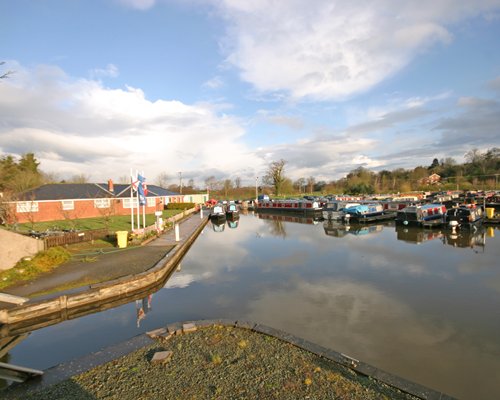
x: 87, y: 236
x: 74, y: 237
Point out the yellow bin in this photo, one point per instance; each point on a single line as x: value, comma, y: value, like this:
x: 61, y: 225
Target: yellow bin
x: 122, y: 237
x: 490, y: 213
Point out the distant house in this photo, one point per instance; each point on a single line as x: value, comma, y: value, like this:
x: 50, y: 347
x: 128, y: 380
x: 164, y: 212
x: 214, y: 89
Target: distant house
x: 431, y: 180
x: 61, y: 201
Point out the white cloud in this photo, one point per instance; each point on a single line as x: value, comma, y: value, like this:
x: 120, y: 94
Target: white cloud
x: 335, y: 48
x: 104, y: 132
x: 214, y: 83
x: 110, y: 71
x: 138, y: 4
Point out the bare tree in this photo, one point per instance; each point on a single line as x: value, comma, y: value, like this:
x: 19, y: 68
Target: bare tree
x: 237, y: 182
x: 310, y: 183
x: 299, y: 184
x: 162, y: 179
x: 211, y: 183
x: 275, y: 175
x: 8, y: 214
x: 50, y: 177
x: 124, y: 180
x: 228, y: 185
x: 79, y: 178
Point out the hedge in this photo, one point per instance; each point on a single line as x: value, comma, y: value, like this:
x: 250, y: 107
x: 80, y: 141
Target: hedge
x: 179, y: 206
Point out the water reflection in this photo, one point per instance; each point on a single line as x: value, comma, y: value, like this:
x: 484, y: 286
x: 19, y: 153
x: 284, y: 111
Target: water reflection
x: 277, y: 222
x: 427, y: 313
x: 339, y: 229
x: 6, y: 345
x: 465, y: 238
x: 142, y: 307
x: 289, y: 218
x: 218, y: 226
x: 468, y: 238
x: 416, y: 235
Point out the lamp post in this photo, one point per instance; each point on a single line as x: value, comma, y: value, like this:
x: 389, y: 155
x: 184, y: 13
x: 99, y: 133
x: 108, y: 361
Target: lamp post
x: 256, y: 189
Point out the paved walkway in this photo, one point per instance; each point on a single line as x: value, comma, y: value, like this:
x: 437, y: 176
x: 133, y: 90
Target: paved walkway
x: 79, y: 273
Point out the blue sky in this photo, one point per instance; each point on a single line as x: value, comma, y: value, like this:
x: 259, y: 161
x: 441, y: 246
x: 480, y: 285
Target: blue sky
x: 224, y: 87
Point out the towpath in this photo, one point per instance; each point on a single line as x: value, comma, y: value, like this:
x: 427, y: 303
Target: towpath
x: 79, y: 273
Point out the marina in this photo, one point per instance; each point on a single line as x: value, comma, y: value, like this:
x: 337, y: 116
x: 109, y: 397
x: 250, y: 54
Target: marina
x: 414, y: 302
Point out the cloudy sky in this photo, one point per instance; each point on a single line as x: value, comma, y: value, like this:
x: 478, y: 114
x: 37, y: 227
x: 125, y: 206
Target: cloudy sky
x: 224, y: 87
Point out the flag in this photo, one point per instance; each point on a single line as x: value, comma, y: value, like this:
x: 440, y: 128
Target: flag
x: 134, y: 183
x: 142, y: 189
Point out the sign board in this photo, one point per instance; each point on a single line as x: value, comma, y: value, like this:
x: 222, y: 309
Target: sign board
x: 158, y: 213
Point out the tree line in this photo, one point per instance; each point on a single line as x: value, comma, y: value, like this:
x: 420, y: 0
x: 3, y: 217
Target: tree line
x: 481, y: 170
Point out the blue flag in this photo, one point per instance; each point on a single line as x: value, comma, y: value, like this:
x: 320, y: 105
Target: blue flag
x: 141, y: 188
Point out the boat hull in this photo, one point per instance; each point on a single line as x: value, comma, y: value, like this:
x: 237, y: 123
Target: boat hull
x: 290, y: 207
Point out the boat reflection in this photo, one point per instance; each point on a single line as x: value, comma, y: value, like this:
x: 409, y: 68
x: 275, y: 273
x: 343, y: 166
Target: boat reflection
x: 290, y: 218
x: 416, y: 235
x: 338, y: 229
x: 277, y: 222
x: 471, y: 238
x: 218, y: 226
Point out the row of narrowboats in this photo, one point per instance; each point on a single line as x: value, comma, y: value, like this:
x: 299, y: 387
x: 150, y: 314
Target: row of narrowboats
x: 224, y: 211
x: 405, y: 211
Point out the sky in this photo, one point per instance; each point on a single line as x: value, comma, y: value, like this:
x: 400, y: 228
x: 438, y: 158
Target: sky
x: 225, y: 87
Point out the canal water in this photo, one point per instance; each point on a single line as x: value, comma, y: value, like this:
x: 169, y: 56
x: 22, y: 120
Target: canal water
x: 421, y: 304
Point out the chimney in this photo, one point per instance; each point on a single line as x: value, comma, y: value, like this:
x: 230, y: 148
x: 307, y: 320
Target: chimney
x: 111, y: 187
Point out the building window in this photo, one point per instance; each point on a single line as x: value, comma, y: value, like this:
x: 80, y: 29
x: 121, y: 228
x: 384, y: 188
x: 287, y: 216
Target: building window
x: 27, y: 206
x: 68, y: 205
x: 101, y: 203
x: 151, y: 201
x: 128, y: 202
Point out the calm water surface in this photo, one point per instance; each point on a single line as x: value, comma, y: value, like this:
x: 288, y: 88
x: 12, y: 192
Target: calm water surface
x: 424, y: 305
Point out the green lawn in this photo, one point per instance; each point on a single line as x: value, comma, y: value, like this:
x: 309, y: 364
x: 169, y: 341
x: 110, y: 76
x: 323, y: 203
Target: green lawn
x: 114, y: 223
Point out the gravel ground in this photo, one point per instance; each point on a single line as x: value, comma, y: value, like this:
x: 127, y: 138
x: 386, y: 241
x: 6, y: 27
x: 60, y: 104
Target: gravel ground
x: 220, y: 362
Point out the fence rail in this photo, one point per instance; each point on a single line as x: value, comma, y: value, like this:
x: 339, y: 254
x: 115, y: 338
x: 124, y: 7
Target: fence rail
x: 87, y: 236
x: 74, y: 237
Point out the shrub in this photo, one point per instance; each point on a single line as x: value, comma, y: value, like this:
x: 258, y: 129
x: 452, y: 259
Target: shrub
x: 30, y: 268
x: 179, y: 206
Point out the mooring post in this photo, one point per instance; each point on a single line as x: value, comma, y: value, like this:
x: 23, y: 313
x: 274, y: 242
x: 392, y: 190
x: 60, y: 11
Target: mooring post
x: 177, y: 232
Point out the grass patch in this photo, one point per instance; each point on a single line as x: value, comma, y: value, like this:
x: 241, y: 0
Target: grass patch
x: 113, y: 223
x: 28, y: 269
x: 66, y: 286
x: 94, y: 246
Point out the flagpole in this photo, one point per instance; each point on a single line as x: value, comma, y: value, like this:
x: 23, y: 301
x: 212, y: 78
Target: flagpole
x: 138, y: 207
x: 144, y: 205
x: 131, y: 200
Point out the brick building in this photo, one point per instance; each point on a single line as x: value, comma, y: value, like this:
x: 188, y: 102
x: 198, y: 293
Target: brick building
x: 61, y: 201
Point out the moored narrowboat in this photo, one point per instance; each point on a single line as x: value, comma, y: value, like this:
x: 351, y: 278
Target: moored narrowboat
x: 334, y: 210
x: 426, y: 215
x: 464, y: 217
x: 232, y: 210
x: 366, y: 213
x: 306, y: 207
x: 218, y: 214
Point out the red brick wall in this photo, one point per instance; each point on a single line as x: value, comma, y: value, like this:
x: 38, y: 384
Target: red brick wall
x: 52, y: 210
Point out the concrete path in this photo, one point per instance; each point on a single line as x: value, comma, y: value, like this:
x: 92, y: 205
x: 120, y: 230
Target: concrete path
x: 78, y: 274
